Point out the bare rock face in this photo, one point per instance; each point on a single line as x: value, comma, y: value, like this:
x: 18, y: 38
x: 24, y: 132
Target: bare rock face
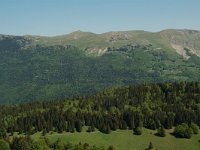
x: 116, y: 36
x: 181, y: 39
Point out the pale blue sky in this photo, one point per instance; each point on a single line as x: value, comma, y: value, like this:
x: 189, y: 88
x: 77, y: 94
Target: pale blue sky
x: 55, y: 17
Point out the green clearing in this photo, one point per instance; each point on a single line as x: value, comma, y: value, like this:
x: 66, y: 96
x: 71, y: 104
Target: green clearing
x: 125, y: 140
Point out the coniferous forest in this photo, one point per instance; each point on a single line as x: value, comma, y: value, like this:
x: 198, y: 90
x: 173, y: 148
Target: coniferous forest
x: 152, y: 106
x: 99, y: 75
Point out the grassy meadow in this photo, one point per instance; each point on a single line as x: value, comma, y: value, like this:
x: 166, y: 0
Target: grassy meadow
x: 125, y: 140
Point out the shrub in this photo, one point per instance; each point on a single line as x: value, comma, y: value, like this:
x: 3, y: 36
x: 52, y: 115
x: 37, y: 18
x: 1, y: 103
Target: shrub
x: 138, y: 131
x: 161, y: 132
x: 150, y: 147
x: 4, y: 145
x: 183, y: 131
x: 195, y: 128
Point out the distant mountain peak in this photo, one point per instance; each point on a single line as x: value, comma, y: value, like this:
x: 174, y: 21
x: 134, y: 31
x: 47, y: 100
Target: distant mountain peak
x: 176, y: 39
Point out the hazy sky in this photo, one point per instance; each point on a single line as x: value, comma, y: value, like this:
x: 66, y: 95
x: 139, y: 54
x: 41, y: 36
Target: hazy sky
x: 54, y: 17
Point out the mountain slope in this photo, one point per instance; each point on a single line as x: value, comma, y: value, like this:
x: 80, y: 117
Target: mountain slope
x: 180, y: 39
x: 53, y: 68
x: 97, y: 44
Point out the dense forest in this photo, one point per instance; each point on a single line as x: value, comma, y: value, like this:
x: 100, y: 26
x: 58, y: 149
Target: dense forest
x: 152, y: 106
x: 31, y: 71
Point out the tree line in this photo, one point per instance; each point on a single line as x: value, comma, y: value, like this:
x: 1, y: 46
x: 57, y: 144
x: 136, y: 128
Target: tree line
x: 154, y: 106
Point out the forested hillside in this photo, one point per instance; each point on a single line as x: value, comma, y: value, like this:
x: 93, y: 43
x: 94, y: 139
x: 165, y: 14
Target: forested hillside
x: 148, y: 105
x: 152, y: 106
x: 54, y: 68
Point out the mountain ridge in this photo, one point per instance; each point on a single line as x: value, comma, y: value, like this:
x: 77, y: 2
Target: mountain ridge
x: 97, y: 44
x: 81, y: 31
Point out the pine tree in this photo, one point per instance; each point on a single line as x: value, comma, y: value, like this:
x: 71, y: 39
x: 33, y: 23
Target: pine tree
x: 78, y: 126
